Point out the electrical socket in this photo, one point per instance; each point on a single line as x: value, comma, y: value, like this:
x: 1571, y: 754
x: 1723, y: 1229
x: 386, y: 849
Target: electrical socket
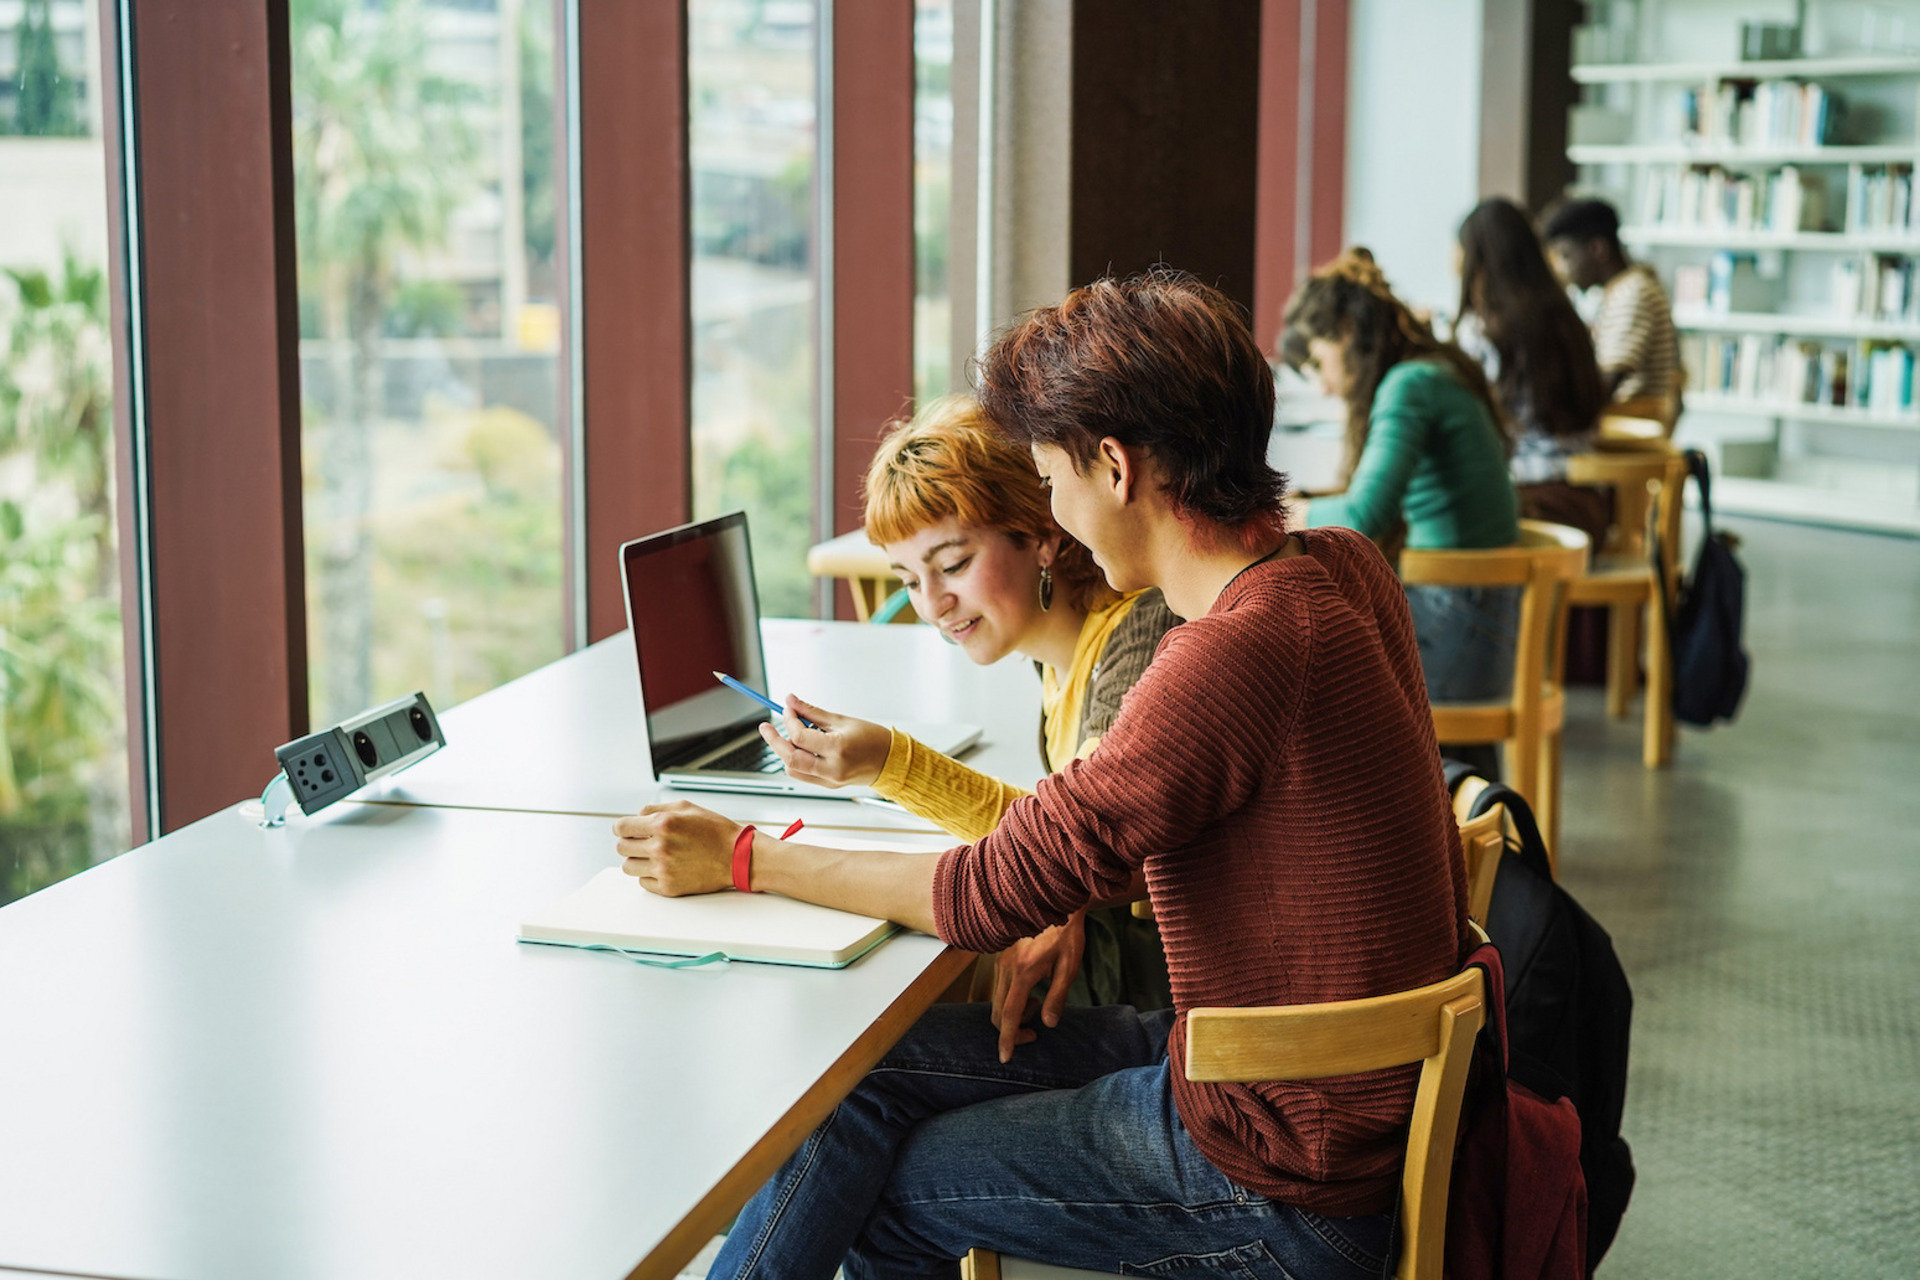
x: 334, y: 763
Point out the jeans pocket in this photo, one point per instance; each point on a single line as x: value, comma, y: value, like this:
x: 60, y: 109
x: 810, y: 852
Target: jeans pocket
x: 1362, y: 1241
x: 1251, y: 1261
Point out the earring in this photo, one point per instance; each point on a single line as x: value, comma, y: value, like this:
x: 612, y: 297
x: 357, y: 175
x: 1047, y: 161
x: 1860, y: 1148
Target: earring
x: 1046, y: 588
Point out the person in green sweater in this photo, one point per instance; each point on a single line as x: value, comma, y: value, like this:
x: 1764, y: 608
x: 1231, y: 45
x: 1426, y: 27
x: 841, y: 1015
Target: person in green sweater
x: 1426, y: 464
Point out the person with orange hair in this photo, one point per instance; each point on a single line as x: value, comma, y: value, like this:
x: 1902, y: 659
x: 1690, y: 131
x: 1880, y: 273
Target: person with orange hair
x: 964, y: 519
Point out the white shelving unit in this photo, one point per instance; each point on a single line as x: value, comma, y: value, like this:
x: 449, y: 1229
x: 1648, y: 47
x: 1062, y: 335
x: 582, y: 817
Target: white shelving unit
x: 1846, y: 415
x: 1832, y: 464
x: 1731, y: 69
x: 1795, y: 326
x: 1754, y: 241
x: 1739, y: 157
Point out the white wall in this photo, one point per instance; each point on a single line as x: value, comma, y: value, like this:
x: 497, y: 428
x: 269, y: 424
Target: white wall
x: 1413, y: 138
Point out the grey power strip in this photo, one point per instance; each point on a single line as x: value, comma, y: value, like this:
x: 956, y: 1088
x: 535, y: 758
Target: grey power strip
x: 334, y: 763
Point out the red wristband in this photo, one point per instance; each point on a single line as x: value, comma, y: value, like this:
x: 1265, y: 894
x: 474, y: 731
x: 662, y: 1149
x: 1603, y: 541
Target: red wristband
x: 743, y: 855
x: 743, y: 859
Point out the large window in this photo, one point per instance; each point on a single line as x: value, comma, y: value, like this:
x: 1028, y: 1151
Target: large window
x: 424, y: 186
x: 63, y: 764
x: 933, y: 373
x: 752, y: 117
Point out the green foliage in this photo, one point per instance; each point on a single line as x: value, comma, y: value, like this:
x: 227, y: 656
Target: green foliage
x: 55, y: 401
x: 426, y: 309
x: 537, y: 174
x: 44, y: 105
x: 384, y: 149
x: 59, y: 602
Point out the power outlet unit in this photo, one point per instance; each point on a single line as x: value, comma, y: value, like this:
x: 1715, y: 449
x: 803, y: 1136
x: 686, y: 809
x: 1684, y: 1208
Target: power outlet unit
x: 334, y: 763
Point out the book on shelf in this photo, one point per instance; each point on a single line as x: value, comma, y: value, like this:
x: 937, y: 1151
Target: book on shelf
x: 1874, y: 286
x: 1869, y: 376
x: 1710, y: 197
x: 1880, y: 198
x: 1766, y: 113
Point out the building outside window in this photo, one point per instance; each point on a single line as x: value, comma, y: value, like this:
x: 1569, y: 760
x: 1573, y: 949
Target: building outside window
x: 751, y: 118
x: 63, y: 758
x: 424, y: 174
x: 932, y: 198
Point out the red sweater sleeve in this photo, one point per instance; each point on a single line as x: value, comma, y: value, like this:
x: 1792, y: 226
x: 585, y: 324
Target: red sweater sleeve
x: 1192, y: 743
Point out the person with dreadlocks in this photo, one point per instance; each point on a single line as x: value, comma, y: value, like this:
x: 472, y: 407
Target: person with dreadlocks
x: 1425, y: 464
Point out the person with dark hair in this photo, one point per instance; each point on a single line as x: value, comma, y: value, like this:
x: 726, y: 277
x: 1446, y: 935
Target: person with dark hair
x: 1426, y: 464
x: 960, y: 512
x: 1515, y: 318
x: 1272, y: 783
x: 1633, y: 336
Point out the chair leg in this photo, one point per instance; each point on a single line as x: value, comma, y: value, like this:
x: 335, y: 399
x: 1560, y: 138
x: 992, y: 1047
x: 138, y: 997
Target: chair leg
x: 1548, y: 809
x: 1657, y: 746
x: 980, y: 1264
x: 1623, y: 658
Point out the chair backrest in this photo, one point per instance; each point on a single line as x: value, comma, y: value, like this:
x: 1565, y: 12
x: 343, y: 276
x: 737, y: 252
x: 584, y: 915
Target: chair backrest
x: 1545, y: 559
x: 1434, y: 1026
x: 1620, y: 426
x: 1482, y: 841
x: 1643, y: 486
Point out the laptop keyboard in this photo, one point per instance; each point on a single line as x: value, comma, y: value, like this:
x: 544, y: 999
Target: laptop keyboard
x: 749, y: 757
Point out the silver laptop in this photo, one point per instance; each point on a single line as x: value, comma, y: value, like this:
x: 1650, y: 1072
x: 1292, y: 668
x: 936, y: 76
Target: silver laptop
x: 692, y: 610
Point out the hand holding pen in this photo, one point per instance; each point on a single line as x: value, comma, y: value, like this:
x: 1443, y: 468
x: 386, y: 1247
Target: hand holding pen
x: 829, y: 750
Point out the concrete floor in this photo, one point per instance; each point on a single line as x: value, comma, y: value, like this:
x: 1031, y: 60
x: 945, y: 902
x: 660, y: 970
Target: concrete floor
x: 1764, y: 896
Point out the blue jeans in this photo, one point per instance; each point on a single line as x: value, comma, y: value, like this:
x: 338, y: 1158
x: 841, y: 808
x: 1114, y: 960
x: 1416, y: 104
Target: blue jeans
x: 1467, y: 637
x: 1071, y: 1154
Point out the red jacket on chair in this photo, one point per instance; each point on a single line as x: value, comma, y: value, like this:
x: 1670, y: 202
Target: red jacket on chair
x: 1518, y: 1208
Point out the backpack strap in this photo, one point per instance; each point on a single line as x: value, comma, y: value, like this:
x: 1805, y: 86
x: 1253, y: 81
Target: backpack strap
x: 1457, y: 772
x: 1533, y: 849
x: 1702, y: 476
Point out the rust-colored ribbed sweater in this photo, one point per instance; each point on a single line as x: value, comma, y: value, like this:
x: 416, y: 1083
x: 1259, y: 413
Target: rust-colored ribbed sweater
x: 1275, y: 773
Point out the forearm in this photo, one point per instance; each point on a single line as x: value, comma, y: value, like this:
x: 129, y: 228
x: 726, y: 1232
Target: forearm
x: 959, y: 799
x: 868, y: 882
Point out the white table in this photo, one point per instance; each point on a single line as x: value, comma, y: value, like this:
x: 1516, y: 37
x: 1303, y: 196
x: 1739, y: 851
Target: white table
x: 571, y: 737
x: 320, y: 1052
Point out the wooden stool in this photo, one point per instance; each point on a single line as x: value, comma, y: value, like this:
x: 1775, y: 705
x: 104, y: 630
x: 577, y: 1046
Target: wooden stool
x: 1528, y: 723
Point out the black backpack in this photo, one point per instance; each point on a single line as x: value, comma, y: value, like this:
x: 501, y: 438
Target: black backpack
x: 1569, y: 1008
x: 1709, y: 666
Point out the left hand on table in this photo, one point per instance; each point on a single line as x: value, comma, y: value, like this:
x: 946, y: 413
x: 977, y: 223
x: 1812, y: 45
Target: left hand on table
x: 677, y: 849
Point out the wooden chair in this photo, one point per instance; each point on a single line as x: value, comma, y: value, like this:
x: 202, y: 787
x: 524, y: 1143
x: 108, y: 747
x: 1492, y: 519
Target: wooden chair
x: 1528, y: 722
x: 1482, y: 841
x: 1433, y: 1026
x: 869, y: 581
x: 1624, y: 579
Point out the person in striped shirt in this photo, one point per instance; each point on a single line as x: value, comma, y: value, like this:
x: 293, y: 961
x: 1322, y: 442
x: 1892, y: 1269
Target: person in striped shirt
x: 1633, y: 337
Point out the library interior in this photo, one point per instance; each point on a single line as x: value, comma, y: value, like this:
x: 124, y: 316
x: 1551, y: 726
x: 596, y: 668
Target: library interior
x: 1008, y: 639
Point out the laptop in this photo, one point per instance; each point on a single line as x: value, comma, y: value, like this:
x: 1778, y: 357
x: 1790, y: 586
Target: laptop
x: 692, y: 610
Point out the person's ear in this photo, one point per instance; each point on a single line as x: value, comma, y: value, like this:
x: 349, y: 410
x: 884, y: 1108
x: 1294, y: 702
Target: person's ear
x: 1117, y: 466
x: 1047, y: 547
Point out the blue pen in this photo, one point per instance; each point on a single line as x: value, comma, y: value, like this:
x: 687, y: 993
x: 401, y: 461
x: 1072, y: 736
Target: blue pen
x: 759, y: 697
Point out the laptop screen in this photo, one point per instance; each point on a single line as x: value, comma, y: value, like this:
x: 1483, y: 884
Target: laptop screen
x: 691, y: 602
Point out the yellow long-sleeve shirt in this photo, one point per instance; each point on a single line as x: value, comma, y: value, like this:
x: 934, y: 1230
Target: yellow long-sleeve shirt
x: 968, y: 803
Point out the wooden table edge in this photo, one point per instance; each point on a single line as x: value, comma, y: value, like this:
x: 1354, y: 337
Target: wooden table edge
x: 732, y: 1192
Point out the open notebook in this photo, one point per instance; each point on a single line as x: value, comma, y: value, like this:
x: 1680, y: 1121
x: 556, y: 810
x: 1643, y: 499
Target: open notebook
x: 613, y: 910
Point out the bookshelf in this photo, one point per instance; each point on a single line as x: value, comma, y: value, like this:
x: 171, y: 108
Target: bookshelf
x: 1776, y: 198
x: 1772, y: 69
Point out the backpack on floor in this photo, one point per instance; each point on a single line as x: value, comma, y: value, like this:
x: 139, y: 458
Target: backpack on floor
x: 1569, y: 1008
x: 1709, y: 664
